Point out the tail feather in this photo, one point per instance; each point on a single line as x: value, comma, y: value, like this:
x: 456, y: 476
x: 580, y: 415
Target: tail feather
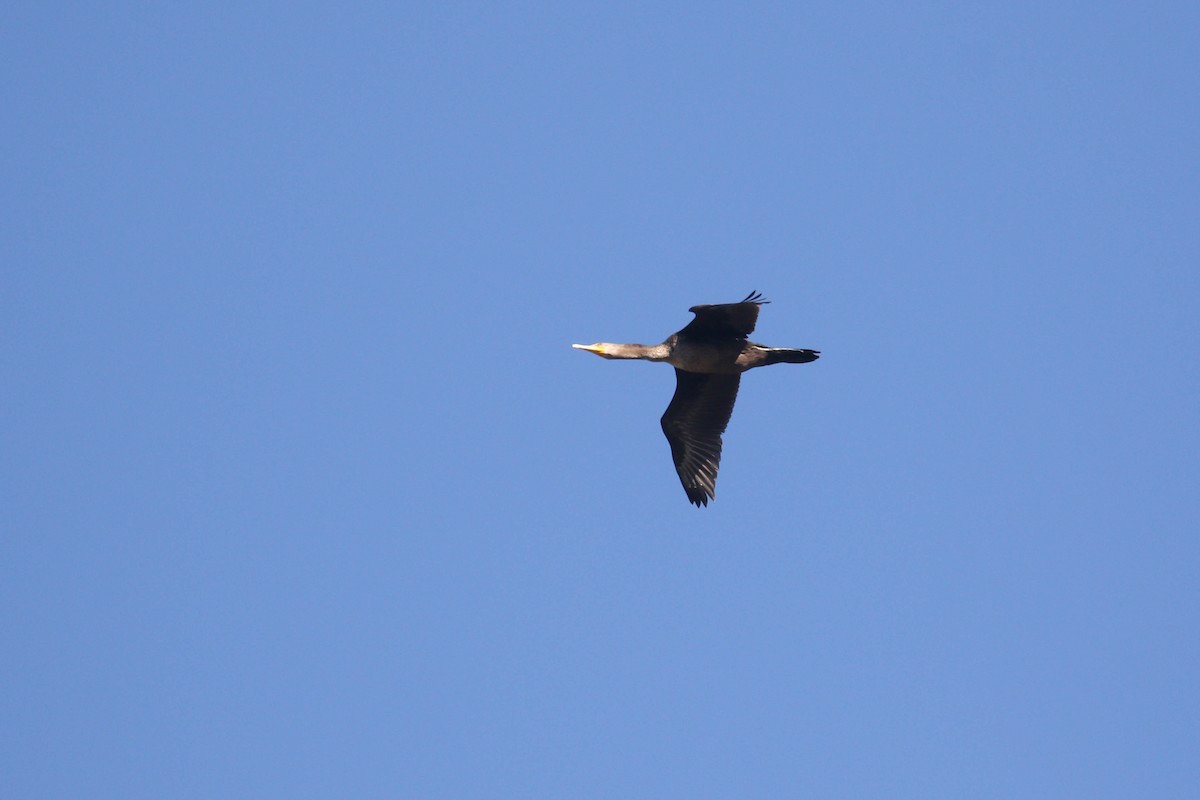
x: 791, y: 355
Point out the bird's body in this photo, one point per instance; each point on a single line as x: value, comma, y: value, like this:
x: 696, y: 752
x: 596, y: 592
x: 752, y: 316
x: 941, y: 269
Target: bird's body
x: 709, y: 355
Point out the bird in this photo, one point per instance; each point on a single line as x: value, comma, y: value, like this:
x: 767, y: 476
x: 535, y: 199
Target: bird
x: 709, y: 354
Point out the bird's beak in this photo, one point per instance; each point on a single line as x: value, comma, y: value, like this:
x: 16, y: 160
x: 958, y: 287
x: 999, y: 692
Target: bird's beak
x: 598, y: 349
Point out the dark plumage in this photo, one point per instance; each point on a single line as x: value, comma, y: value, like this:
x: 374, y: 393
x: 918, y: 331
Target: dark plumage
x: 709, y: 355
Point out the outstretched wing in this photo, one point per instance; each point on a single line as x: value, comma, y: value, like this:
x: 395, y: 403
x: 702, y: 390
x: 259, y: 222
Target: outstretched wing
x: 693, y: 423
x: 726, y: 320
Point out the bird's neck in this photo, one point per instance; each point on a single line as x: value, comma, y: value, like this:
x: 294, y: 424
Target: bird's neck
x: 645, y: 352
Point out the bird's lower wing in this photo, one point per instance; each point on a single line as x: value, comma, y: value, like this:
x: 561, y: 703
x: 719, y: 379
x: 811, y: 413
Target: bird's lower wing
x: 693, y: 424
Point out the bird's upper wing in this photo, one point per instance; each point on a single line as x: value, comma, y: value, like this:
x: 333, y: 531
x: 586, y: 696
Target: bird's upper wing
x: 693, y: 423
x: 725, y: 319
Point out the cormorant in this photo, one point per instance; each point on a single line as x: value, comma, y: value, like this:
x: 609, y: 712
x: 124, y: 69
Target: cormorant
x: 709, y: 355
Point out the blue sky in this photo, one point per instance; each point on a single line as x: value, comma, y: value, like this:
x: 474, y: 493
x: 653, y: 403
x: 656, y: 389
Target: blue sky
x: 305, y: 493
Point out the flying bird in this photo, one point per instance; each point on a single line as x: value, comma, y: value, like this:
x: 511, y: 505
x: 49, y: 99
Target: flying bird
x: 709, y: 355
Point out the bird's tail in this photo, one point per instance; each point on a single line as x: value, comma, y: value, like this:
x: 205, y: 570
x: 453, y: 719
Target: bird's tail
x: 790, y: 355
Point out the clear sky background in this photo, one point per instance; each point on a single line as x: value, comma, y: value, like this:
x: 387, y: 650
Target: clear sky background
x: 305, y: 493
